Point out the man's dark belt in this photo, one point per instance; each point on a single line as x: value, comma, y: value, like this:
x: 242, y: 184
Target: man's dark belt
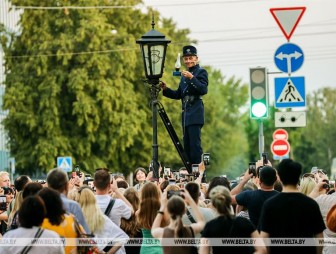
x: 191, y: 98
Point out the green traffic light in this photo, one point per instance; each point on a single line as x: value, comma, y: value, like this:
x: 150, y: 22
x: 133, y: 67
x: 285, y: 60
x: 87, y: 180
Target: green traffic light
x: 258, y: 93
x: 259, y: 109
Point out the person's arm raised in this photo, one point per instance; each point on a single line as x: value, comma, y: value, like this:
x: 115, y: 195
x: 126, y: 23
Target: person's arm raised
x: 157, y: 230
x: 115, y: 189
x: 201, y: 169
x: 200, y: 221
x: 239, y: 188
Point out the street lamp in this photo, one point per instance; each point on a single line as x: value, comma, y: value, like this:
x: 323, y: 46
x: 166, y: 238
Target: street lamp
x: 153, y: 47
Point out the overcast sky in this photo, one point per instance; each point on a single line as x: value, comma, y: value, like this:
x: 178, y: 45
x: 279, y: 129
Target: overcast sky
x: 234, y: 35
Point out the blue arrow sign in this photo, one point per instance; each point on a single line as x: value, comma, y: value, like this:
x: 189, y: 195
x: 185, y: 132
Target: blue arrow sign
x: 65, y: 163
x: 288, y: 57
x: 289, y: 92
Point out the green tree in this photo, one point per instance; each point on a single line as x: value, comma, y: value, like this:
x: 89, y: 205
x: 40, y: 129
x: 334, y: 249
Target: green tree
x: 223, y: 134
x: 65, y: 96
x: 314, y: 144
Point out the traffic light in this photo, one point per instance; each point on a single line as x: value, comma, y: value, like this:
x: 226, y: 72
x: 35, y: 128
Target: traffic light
x: 258, y: 93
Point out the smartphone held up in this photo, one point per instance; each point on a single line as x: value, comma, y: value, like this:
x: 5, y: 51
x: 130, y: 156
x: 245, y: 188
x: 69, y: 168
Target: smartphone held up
x: 252, y: 168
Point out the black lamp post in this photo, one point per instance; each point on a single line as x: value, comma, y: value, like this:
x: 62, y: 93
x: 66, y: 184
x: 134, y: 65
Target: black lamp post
x: 153, y: 47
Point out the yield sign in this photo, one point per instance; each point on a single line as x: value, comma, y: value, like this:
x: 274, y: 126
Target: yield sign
x: 288, y: 18
x: 280, y: 147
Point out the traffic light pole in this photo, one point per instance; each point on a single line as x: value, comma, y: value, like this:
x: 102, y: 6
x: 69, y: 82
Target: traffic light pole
x: 261, y: 137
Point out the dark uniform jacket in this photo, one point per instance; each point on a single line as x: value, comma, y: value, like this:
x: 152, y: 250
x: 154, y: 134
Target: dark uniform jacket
x: 191, y: 91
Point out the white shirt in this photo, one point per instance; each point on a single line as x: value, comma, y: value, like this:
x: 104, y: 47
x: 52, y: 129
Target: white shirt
x: 119, y: 210
x: 112, y: 232
x: 207, y: 213
x: 30, y: 233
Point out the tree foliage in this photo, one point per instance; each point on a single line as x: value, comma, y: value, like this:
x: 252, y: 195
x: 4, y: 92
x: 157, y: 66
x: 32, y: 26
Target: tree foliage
x: 315, y: 144
x: 72, y: 90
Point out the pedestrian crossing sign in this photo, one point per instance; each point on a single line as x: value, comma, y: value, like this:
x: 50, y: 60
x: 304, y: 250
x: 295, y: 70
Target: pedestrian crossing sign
x: 65, y: 163
x: 289, y: 92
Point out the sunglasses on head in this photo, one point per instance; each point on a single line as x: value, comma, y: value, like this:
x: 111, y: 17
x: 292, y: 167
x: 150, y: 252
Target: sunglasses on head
x: 308, y: 175
x: 84, y: 187
x: 321, y: 171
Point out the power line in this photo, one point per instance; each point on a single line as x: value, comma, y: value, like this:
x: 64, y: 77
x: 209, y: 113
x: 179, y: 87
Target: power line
x: 130, y: 6
x: 71, y: 7
x: 129, y: 48
x: 202, y: 3
x: 261, y: 28
x: 261, y: 37
x: 73, y: 53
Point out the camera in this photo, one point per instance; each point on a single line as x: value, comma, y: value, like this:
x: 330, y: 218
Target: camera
x: 8, y: 190
x: 206, y: 158
x: 166, y: 171
x: 195, y: 169
x: 265, y: 158
x: 172, y: 181
x: 326, y: 185
x: 252, y: 168
x: 76, y: 171
x: 176, y: 175
x: 3, y: 206
x: 173, y: 192
x: 41, y: 181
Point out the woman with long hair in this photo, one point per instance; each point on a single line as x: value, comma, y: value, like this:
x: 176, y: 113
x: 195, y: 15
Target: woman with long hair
x: 226, y: 225
x: 176, y: 208
x: 149, y: 205
x: 99, y: 224
x: 307, y: 184
x: 131, y: 226
x: 13, y: 222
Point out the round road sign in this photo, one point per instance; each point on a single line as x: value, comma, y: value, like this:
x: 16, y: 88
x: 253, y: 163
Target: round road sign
x: 280, y: 147
x: 280, y: 134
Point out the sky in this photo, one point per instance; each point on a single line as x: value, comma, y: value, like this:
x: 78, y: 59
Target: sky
x: 235, y: 35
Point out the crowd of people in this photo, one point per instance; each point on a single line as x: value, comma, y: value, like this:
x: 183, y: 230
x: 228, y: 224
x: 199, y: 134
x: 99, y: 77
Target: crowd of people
x: 146, y: 218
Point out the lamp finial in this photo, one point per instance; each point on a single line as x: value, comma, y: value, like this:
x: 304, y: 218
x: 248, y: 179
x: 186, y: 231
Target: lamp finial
x: 153, y: 23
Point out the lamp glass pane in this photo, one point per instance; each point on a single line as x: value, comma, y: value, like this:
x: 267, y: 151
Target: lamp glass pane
x: 145, y: 49
x: 157, y: 55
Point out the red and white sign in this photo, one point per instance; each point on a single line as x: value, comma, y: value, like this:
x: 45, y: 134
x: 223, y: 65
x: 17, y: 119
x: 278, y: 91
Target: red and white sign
x: 280, y: 134
x: 288, y: 18
x: 280, y: 147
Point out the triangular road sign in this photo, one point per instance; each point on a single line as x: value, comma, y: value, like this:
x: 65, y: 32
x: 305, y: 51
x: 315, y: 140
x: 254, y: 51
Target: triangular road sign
x: 288, y: 18
x: 289, y: 93
x: 64, y: 164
